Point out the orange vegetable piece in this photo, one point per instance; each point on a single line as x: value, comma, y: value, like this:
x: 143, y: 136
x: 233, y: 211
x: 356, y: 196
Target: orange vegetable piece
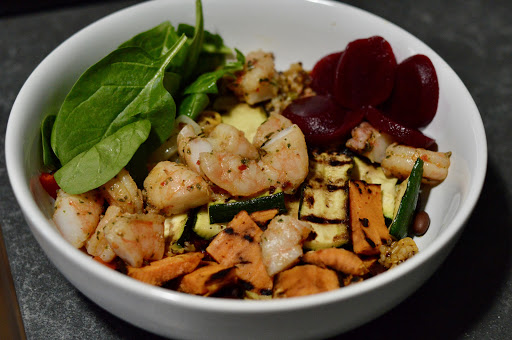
x: 263, y: 216
x: 366, y: 218
x: 159, y: 272
x: 239, y: 245
x: 304, y: 280
x: 208, y: 280
x: 338, y: 259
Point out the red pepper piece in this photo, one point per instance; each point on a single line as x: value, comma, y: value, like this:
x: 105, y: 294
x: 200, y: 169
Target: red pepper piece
x: 49, y: 184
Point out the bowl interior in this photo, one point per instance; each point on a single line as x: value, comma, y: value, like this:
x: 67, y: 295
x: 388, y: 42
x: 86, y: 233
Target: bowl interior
x: 295, y: 31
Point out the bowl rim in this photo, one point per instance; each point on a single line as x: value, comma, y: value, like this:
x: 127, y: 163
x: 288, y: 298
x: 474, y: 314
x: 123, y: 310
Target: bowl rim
x: 21, y: 188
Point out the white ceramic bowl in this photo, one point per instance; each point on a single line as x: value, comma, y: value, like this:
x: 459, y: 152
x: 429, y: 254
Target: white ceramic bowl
x: 295, y: 31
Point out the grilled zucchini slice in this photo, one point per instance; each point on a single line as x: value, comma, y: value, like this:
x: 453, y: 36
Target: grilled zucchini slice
x: 374, y: 175
x: 324, y: 199
x: 202, y: 226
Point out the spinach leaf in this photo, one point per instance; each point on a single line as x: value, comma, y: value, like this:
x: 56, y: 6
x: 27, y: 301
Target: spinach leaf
x: 196, y: 98
x: 49, y: 159
x: 124, y: 87
x: 193, y: 105
x: 207, y: 82
x: 156, y: 41
x: 212, y: 43
x: 172, y: 81
x: 196, y: 44
x: 104, y: 160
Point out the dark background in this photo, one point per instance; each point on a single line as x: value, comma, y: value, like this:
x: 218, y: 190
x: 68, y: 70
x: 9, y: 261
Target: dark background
x: 470, y: 297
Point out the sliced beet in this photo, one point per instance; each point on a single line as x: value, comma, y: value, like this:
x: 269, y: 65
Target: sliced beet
x: 402, y: 134
x: 365, y: 73
x: 322, y: 75
x: 321, y: 119
x: 415, y: 95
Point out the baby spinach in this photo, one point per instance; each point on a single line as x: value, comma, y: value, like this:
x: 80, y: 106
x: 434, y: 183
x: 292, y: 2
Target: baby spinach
x: 195, y: 44
x: 192, y: 105
x: 156, y: 41
x: 125, y: 86
x: 212, y: 43
x: 97, y: 165
x: 207, y: 82
x: 122, y: 107
x: 50, y: 161
x: 196, y: 93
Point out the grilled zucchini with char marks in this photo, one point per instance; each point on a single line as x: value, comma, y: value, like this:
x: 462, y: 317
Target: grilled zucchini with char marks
x: 324, y: 201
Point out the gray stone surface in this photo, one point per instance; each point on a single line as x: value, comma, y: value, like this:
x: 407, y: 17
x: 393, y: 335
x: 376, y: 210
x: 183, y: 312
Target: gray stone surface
x: 470, y: 297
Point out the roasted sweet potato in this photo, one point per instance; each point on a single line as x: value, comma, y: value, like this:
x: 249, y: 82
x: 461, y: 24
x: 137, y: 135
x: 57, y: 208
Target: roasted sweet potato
x: 238, y: 245
x: 338, y: 259
x: 368, y: 228
x: 264, y: 216
x: 208, y: 280
x: 161, y: 271
x: 304, y: 280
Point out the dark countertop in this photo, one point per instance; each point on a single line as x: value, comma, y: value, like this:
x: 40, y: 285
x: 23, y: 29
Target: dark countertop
x: 470, y: 297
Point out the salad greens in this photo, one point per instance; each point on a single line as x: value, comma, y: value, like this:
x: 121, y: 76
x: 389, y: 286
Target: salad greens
x: 125, y: 86
x: 197, y: 93
x: 124, y: 106
x: 89, y: 169
x: 49, y: 159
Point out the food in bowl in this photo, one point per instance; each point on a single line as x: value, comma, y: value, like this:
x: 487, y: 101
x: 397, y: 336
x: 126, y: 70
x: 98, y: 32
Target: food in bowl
x: 232, y: 217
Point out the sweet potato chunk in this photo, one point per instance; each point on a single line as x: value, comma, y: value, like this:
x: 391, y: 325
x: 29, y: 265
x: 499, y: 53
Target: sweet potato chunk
x: 161, y: 271
x: 239, y: 245
x: 366, y: 218
x: 207, y: 280
x: 304, y: 280
x: 341, y: 260
x: 263, y: 216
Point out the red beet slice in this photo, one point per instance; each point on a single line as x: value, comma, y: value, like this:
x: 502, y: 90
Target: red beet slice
x: 321, y: 119
x: 415, y: 95
x: 402, y: 134
x: 365, y: 73
x: 322, y: 75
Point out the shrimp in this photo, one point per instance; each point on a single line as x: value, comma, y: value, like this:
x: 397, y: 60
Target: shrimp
x: 369, y: 142
x: 257, y: 82
x: 136, y: 237
x: 190, y: 146
x: 284, y: 163
x: 285, y: 155
x: 238, y: 175
x: 281, y: 243
x: 172, y: 188
x: 272, y: 125
x: 227, y: 138
x: 400, y: 159
x: 223, y: 138
x: 97, y: 244
x: 122, y: 191
x: 76, y: 216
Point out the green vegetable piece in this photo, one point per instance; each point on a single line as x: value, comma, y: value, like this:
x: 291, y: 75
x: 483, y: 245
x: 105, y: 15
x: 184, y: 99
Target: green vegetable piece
x: 49, y: 159
x: 403, y: 219
x: 197, y: 99
x: 156, y: 41
x: 103, y: 161
x: 124, y: 87
x: 224, y: 212
x: 202, y: 226
x: 193, y: 105
x: 196, y: 44
x: 212, y: 43
x: 172, y: 82
x: 207, y: 82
